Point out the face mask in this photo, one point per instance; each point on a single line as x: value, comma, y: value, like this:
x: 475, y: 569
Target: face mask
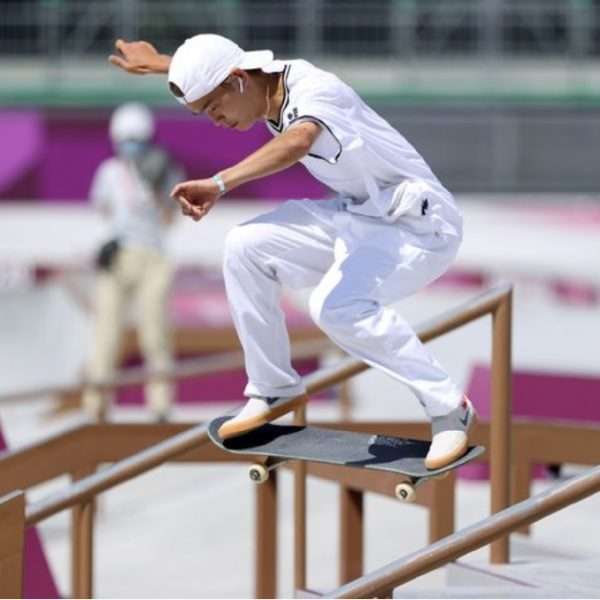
x: 131, y: 149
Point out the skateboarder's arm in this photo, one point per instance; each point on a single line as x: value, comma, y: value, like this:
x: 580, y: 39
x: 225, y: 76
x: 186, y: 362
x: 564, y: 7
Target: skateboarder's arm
x: 276, y: 155
x: 197, y: 197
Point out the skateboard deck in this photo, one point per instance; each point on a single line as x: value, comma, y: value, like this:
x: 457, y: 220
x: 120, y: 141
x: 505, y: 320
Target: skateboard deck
x: 338, y: 447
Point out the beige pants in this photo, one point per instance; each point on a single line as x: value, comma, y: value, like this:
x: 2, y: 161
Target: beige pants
x: 145, y: 276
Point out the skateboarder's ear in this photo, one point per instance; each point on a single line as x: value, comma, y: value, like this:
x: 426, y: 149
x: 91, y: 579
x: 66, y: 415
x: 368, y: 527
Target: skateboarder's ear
x: 238, y: 80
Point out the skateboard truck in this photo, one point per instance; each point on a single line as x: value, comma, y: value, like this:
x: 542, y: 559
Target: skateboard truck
x: 259, y: 472
x: 404, y: 491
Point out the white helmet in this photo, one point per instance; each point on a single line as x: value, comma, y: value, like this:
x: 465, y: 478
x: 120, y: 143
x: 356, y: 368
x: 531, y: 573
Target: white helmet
x: 131, y: 121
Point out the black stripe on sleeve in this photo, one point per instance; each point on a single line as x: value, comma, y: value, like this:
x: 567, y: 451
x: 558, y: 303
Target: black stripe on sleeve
x: 322, y: 124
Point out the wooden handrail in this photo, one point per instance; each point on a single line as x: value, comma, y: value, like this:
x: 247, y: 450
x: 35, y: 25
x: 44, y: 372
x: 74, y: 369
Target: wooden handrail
x: 121, y: 471
x: 145, y: 460
x: 81, y: 494
x: 480, y: 534
x: 183, y: 369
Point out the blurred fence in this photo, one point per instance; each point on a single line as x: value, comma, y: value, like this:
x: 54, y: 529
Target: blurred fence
x: 348, y: 28
x: 499, y: 95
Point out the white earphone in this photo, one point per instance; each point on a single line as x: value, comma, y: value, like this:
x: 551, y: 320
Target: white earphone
x: 241, y: 84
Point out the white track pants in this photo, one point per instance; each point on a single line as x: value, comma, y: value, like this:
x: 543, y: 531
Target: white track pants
x: 357, y: 265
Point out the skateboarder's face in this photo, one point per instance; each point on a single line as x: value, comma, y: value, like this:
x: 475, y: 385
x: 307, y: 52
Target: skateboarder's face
x: 235, y: 104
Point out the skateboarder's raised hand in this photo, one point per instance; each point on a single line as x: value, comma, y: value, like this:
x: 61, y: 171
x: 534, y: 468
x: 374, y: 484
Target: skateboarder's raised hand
x: 196, y: 198
x: 140, y: 58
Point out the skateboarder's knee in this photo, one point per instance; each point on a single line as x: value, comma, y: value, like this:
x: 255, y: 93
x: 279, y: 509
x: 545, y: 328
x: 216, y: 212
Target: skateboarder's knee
x: 241, y: 242
x: 335, y: 314
x: 235, y: 241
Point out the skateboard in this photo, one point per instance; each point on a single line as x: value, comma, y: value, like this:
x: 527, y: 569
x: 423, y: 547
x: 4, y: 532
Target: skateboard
x: 281, y: 443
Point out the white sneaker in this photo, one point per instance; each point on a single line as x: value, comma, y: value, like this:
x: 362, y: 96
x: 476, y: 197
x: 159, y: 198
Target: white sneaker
x: 256, y: 412
x: 450, y: 435
x: 253, y: 415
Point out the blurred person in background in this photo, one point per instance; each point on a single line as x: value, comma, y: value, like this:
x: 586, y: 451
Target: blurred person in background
x: 131, y: 190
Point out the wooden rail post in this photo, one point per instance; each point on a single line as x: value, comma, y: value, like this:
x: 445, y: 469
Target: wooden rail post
x: 521, y: 473
x: 12, y: 541
x: 300, y: 512
x: 441, y: 507
x: 83, y: 550
x: 501, y: 400
x: 266, y: 538
x: 351, y: 534
x: 82, y: 543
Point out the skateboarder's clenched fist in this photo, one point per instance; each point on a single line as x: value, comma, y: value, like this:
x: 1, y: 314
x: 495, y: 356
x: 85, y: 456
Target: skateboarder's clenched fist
x: 196, y: 197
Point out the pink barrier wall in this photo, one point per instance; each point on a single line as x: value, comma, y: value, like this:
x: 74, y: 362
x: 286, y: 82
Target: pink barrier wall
x: 52, y: 154
x: 540, y: 395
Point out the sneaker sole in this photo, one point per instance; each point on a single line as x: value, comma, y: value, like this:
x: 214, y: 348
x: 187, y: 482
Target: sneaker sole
x: 231, y: 429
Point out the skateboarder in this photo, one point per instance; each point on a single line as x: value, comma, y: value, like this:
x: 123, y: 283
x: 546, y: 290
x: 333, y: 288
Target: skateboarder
x: 391, y: 229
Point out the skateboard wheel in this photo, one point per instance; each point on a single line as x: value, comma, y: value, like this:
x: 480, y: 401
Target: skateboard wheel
x: 405, y: 492
x: 258, y: 473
